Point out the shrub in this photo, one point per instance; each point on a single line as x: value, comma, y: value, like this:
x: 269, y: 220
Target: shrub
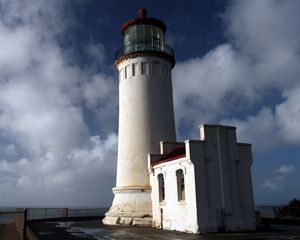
x: 292, y: 209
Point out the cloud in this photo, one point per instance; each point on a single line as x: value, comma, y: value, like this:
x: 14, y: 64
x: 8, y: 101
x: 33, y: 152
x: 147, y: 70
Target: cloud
x: 285, y: 169
x: 252, y: 81
x: 100, y: 97
x: 82, y: 174
x: 96, y: 53
x: 213, y: 87
x: 262, y: 130
x: 58, y: 117
x: 277, y: 181
x: 51, y: 156
x: 273, y: 184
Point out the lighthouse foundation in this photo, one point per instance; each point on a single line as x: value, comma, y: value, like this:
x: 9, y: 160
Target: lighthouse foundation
x: 131, y: 206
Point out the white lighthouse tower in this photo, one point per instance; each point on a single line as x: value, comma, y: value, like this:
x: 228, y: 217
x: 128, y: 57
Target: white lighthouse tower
x: 146, y: 116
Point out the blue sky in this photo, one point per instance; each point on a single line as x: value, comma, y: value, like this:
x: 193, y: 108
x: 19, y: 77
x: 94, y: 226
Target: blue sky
x: 237, y: 63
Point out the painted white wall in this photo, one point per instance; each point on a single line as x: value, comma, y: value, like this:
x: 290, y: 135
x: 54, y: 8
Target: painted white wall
x: 218, y: 184
x: 177, y: 215
x: 146, y: 116
x: 227, y: 166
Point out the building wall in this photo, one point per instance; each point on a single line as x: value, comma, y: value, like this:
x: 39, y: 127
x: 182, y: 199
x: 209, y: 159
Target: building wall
x: 177, y: 215
x: 227, y: 173
x: 218, y: 184
x: 146, y: 116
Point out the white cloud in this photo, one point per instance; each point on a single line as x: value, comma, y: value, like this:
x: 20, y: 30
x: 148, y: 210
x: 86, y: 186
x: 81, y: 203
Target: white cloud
x: 272, y: 184
x: 100, y: 95
x: 10, y: 150
x: 285, y: 169
x: 50, y: 157
x: 280, y: 176
x: 96, y: 53
x: 262, y: 130
x: 84, y: 171
x: 252, y: 81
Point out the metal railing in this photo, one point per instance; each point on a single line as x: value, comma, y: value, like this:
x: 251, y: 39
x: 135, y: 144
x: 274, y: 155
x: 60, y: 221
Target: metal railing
x: 145, y: 46
x: 48, y: 213
x: 14, y: 221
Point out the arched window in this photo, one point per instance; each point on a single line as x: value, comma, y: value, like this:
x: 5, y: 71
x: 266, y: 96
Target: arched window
x: 161, y: 187
x: 180, y: 185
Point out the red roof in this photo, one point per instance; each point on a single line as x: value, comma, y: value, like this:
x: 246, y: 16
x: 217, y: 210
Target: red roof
x: 175, y: 154
x: 143, y: 19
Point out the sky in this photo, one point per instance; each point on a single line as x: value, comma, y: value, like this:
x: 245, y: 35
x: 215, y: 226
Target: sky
x: 237, y: 63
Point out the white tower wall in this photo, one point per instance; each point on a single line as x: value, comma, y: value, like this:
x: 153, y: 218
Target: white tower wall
x: 146, y: 116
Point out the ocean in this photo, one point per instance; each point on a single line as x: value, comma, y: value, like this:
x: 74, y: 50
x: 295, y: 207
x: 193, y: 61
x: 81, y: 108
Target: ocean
x: 266, y: 211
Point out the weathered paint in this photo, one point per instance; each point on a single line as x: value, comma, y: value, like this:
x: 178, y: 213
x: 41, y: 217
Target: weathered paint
x: 218, y: 186
x: 146, y: 117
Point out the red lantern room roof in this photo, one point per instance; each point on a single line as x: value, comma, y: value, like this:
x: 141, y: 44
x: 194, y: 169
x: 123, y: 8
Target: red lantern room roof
x: 143, y: 19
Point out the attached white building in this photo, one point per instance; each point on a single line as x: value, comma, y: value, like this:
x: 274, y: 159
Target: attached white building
x: 203, y: 185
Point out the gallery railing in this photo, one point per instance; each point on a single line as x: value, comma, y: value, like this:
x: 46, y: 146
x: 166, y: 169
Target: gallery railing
x: 145, y: 46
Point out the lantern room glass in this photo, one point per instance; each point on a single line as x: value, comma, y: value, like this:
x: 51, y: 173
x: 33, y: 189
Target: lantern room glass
x: 143, y: 37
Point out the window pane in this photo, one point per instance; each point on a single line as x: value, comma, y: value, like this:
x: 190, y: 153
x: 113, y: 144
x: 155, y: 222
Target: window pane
x: 145, y: 68
x: 155, y: 67
x: 134, y: 69
x: 140, y: 33
x: 148, y: 35
x: 161, y: 187
x: 180, y: 185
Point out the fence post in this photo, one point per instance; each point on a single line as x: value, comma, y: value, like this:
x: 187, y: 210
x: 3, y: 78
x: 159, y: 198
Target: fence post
x: 66, y: 212
x: 25, y: 224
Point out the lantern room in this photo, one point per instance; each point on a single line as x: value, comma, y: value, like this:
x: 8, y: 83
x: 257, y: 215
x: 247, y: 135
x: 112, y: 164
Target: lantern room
x: 144, y: 34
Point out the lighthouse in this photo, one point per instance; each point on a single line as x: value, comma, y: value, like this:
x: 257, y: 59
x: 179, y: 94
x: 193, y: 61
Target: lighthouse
x: 146, y: 116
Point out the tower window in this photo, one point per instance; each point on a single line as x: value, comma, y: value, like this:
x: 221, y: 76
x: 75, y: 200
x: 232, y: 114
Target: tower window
x: 144, y: 68
x: 161, y: 187
x: 127, y: 72
x: 134, y: 69
x: 155, y: 67
x: 165, y: 70
x: 180, y: 185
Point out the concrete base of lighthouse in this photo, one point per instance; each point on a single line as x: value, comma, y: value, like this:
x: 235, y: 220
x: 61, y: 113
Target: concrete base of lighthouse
x: 131, y: 206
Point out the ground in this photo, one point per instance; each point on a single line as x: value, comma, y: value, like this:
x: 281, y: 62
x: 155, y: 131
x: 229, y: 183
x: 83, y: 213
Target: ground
x: 94, y: 229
